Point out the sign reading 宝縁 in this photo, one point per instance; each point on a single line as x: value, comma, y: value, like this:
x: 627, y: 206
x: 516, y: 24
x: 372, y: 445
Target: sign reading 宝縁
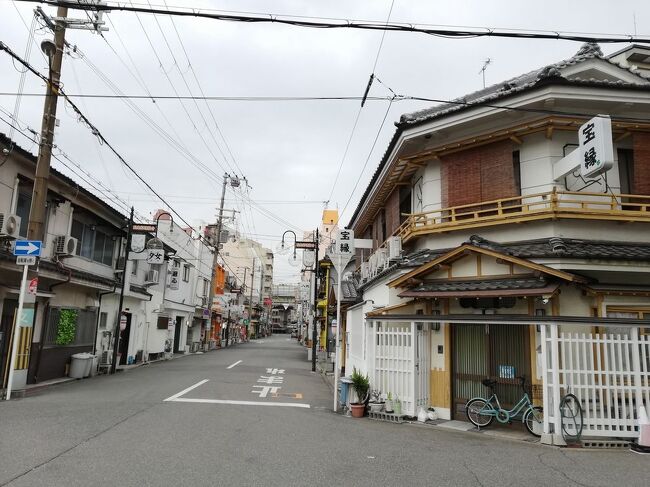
x: 596, y: 150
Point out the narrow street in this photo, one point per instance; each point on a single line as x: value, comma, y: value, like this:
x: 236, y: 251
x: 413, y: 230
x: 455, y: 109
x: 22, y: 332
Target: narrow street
x: 121, y: 430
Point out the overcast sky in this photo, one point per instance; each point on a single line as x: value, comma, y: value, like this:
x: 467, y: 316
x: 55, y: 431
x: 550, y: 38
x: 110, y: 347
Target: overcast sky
x: 290, y: 150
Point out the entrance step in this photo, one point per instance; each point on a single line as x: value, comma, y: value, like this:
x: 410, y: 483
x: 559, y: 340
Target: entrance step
x: 391, y: 418
x: 457, y: 425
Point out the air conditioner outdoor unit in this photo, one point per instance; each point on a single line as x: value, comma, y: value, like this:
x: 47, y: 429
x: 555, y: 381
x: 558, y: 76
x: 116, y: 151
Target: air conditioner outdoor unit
x: 365, y: 270
x: 107, y: 357
x: 65, y: 245
x: 394, y: 247
x: 151, y: 277
x: 382, y: 259
x: 9, y: 225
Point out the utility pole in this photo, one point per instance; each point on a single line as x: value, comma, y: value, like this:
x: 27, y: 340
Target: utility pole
x: 250, y: 299
x: 215, y: 261
x: 117, y: 333
x: 54, y: 52
x: 313, y: 330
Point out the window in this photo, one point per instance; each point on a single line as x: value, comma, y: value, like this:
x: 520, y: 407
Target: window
x: 134, y: 267
x: 186, y: 273
x: 22, y: 210
x: 162, y: 323
x: 93, y: 243
x: 626, y: 170
x: 206, y: 285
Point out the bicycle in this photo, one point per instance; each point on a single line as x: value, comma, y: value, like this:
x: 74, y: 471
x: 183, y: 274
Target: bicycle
x: 481, y: 412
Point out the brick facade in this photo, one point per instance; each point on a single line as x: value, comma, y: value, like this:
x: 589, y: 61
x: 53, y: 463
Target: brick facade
x: 480, y: 174
x: 641, y: 155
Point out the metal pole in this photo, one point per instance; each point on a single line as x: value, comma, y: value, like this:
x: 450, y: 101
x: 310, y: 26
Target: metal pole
x: 215, y: 262
x: 36, y: 226
x: 14, y: 346
x: 313, y: 330
x: 250, y: 300
x: 116, y: 335
x: 338, y: 330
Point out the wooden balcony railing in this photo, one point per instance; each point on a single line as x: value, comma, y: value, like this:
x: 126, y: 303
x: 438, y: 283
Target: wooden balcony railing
x: 539, y: 206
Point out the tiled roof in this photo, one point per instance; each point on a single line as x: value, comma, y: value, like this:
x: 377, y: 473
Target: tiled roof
x: 349, y: 290
x: 568, y: 248
x: 518, y: 84
x: 521, y: 83
x: 481, y: 285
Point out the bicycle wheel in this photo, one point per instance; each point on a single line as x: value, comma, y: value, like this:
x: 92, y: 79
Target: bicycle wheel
x: 477, y: 411
x: 534, y: 420
x: 572, y: 418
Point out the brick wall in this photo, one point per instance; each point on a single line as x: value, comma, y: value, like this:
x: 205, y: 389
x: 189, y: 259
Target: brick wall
x: 479, y: 174
x: 641, y: 155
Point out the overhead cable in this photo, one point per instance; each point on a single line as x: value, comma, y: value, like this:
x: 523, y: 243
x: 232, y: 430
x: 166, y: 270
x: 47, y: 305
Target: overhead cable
x: 451, y: 32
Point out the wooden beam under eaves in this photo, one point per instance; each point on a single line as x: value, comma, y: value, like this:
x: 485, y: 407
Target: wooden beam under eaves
x: 516, y: 140
x: 624, y: 135
x: 549, y: 132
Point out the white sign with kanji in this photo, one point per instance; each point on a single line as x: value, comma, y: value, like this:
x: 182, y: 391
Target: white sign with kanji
x: 155, y: 256
x: 344, y: 242
x: 596, y: 150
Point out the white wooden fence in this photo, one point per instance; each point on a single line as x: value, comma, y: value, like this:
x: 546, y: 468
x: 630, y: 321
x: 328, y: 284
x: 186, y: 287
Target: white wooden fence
x: 608, y: 372
x: 398, y: 362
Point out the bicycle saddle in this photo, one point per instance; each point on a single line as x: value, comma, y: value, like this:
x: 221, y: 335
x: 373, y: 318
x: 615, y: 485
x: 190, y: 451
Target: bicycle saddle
x: 488, y: 382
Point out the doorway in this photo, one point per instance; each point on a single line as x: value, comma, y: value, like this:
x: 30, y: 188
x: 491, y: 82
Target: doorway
x: 123, y: 347
x: 498, y: 351
x: 177, y: 334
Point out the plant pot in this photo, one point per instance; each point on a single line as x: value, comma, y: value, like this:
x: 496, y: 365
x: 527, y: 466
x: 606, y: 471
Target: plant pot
x: 398, y: 407
x: 376, y: 407
x: 388, y: 406
x: 358, y: 410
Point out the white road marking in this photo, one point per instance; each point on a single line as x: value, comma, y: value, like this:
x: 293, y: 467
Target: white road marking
x: 236, y: 363
x: 185, y: 391
x: 271, y: 379
x: 264, y: 390
x: 241, y: 403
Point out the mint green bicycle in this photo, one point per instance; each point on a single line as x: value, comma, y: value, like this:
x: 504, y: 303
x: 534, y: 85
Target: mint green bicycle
x: 481, y: 412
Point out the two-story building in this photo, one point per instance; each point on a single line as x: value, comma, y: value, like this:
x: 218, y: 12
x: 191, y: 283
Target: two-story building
x: 83, y: 240
x: 490, y: 261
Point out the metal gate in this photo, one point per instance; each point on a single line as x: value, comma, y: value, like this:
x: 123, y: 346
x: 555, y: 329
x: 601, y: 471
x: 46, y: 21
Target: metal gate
x: 399, y: 362
x: 497, y: 351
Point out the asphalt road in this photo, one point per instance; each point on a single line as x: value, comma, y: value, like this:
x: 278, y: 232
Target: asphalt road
x: 120, y: 431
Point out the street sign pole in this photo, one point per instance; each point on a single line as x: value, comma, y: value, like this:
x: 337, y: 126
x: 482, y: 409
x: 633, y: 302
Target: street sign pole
x: 16, y: 336
x: 337, y: 349
x: 118, y: 332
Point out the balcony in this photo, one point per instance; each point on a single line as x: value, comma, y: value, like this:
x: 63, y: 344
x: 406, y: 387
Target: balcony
x: 540, y: 206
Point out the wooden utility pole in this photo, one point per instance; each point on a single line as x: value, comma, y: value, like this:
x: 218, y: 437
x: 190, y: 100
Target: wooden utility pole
x: 36, y: 226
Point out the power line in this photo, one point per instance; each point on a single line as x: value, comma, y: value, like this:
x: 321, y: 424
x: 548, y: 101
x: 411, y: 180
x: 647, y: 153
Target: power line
x: 100, y: 136
x: 150, y: 96
x: 367, y: 158
x: 451, y: 32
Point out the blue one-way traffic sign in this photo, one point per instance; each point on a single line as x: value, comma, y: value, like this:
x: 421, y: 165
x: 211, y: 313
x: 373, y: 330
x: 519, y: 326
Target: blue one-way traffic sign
x: 28, y: 247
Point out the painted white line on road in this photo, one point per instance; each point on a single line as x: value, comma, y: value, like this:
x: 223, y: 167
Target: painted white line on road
x: 236, y: 363
x: 185, y: 391
x: 241, y: 403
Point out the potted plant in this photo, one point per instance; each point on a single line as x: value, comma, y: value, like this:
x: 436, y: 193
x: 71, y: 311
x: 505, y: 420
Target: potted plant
x: 397, y: 405
x: 360, y: 386
x: 388, y: 407
x: 376, y: 404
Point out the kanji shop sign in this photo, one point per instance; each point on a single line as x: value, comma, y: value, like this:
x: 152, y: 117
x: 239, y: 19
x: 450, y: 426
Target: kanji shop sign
x: 596, y: 150
x: 344, y: 242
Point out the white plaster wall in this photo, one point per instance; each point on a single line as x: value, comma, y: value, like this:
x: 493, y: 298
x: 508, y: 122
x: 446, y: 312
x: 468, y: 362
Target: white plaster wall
x: 431, y: 186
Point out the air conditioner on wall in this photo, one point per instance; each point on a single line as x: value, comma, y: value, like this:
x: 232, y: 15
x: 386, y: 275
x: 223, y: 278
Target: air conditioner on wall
x: 394, y: 247
x: 65, y: 245
x: 9, y: 225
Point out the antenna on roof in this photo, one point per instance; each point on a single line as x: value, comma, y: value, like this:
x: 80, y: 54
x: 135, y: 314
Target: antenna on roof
x: 485, y: 65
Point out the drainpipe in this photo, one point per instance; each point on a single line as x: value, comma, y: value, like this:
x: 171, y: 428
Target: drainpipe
x: 14, y: 197
x: 101, y: 295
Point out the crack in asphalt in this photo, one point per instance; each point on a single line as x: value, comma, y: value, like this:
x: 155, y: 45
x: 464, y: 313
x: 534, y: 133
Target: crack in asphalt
x: 86, y: 440
x: 556, y: 470
x: 478, y: 480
